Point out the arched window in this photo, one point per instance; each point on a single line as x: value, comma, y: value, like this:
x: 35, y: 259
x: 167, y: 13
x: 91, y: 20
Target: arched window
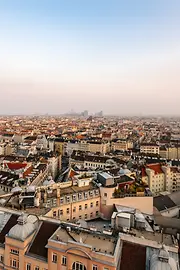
x: 78, y: 266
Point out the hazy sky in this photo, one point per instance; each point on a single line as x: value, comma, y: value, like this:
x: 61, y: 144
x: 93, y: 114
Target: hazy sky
x: 119, y: 56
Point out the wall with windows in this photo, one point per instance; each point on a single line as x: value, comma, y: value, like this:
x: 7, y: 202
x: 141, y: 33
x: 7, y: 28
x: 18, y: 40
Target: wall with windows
x: 14, y: 253
x: 34, y: 264
x: 77, y: 257
x: 85, y: 209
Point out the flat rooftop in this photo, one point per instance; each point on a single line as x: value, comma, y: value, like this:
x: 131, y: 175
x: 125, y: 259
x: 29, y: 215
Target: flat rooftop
x: 98, y: 242
x: 76, y: 189
x: 154, y: 236
x: 105, y: 175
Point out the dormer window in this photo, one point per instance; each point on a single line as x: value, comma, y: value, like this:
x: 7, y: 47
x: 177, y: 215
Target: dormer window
x: 15, y: 251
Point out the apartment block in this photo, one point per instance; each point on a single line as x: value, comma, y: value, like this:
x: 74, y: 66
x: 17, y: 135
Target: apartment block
x: 31, y: 243
x: 149, y: 148
x: 161, y: 178
x: 75, y: 203
x: 121, y: 145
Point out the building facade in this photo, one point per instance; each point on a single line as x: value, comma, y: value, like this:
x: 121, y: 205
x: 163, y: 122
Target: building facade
x: 149, y: 148
x: 30, y: 243
x: 161, y: 178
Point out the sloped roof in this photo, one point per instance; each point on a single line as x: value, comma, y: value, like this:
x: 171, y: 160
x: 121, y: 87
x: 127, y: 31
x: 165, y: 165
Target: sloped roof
x: 40, y: 241
x: 163, y: 202
x: 155, y: 167
x: 175, y: 197
x: 15, y: 165
x: 133, y: 257
x: 11, y: 223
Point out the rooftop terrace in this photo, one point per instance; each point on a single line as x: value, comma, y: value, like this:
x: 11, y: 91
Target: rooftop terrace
x: 98, y: 242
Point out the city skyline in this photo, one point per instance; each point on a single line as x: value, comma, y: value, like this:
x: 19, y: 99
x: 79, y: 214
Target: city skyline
x: 121, y: 57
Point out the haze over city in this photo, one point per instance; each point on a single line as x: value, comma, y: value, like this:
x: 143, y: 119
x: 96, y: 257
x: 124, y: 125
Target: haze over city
x: 122, y: 57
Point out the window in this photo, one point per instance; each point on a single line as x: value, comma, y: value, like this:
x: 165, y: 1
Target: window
x: 1, y: 258
x: 54, y: 214
x: 74, y: 209
x: 86, y: 216
x: 85, y: 195
x: 97, y: 213
x: 97, y: 203
x: 61, y: 200
x: 80, y: 196
x: 105, y: 194
x: 28, y: 266
x: 15, y: 264
x: 91, y: 204
x: 54, y: 258
x: 64, y: 260
x: 86, y: 206
x: 67, y: 210
x: 68, y: 199
x: 91, y: 215
x: 78, y: 266
x: 54, y: 202
x: 15, y: 251
x: 94, y: 267
x: 36, y: 268
x: 74, y: 197
x: 61, y: 212
x: 80, y: 217
x: 80, y: 207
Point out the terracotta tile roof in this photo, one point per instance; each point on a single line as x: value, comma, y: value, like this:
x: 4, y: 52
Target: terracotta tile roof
x: 28, y: 171
x: 133, y: 257
x: 80, y: 137
x: 175, y: 170
x: 155, y: 167
x: 15, y: 165
x: 143, y: 172
x: 72, y: 173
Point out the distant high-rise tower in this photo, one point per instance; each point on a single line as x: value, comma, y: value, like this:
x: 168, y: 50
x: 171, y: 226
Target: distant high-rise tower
x: 99, y: 114
x: 85, y: 113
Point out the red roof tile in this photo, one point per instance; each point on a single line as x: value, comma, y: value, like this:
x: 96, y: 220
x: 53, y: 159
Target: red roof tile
x: 16, y: 165
x: 155, y: 167
x: 28, y: 171
x: 72, y: 173
x: 143, y: 172
x: 175, y: 170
